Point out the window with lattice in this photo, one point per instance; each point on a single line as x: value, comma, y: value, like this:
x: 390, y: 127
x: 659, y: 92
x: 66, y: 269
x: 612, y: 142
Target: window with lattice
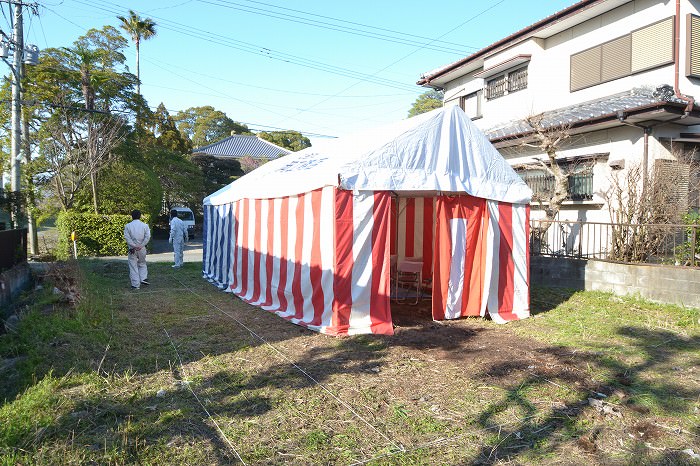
x: 506, y: 83
x: 542, y: 182
x: 496, y: 87
x: 670, y: 185
x: 517, y: 80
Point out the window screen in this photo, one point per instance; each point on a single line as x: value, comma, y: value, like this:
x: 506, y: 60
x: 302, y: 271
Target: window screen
x: 643, y: 49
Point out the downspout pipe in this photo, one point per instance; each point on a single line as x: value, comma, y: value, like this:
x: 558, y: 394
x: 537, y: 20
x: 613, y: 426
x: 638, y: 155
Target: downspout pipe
x: 676, y: 63
x: 622, y: 117
x: 645, y: 159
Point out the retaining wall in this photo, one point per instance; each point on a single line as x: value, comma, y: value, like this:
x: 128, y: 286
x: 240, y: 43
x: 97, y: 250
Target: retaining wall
x: 661, y: 283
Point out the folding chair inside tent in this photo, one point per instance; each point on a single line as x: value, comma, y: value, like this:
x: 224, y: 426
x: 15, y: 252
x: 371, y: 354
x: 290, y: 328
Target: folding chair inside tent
x: 408, y: 276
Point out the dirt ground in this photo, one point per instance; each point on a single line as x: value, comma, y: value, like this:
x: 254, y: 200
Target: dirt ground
x: 464, y: 391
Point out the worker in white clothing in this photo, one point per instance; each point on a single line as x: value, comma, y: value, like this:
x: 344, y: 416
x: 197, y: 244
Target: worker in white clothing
x: 178, y: 237
x: 137, y: 234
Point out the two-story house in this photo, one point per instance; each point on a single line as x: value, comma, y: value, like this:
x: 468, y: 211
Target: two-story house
x: 620, y: 75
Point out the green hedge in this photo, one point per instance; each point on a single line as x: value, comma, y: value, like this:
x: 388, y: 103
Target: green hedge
x: 98, y: 235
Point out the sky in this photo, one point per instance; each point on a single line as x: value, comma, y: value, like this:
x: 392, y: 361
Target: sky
x: 324, y: 68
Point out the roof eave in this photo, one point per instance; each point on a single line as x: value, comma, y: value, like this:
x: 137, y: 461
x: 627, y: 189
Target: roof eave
x: 519, y: 35
x: 590, y: 123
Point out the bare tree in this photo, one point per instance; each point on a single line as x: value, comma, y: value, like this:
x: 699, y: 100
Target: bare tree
x: 549, y: 140
x: 552, y: 189
x: 77, y: 147
x: 249, y: 163
x: 642, y: 208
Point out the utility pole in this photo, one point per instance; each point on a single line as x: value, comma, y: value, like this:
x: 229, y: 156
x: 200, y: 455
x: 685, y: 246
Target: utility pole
x: 30, y: 55
x: 16, y: 135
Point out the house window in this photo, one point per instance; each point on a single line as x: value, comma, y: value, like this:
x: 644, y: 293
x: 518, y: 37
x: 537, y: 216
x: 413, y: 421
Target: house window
x: 671, y: 185
x: 640, y: 50
x: 517, y: 80
x: 506, y: 83
x: 471, y: 104
x: 542, y: 183
x: 693, y: 46
x: 496, y: 87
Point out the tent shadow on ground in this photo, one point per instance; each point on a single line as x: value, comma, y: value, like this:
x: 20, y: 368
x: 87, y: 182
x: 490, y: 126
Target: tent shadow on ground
x: 544, y: 299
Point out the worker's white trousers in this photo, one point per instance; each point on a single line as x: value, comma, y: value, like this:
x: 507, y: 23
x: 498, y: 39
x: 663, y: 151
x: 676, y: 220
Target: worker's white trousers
x: 138, y: 271
x: 178, y: 246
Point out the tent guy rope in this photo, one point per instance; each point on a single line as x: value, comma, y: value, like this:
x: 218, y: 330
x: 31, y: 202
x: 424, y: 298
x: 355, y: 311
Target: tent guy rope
x: 396, y: 446
x: 216, y: 424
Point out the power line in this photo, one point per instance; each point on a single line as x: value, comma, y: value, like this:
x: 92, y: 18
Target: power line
x: 254, y: 49
x: 397, y: 38
x: 250, y: 125
x: 254, y: 105
x: 360, y: 24
x: 408, y: 55
x: 220, y: 93
x: 43, y: 33
x: 251, y: 48
x: 65, y: 19
x: 219, y: 39
x: 284, y: 91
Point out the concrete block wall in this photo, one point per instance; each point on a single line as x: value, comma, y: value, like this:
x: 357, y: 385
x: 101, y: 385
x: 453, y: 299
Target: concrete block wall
x: 661, y: 283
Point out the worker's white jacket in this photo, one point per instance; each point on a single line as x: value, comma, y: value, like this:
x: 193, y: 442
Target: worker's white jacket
x: 178, y: 230
x: 137, y: 234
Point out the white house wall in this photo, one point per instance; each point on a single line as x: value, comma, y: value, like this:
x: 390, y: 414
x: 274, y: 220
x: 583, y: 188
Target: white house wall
x: 549, y: 68
x: 548, y: 88
x: 627, y: 141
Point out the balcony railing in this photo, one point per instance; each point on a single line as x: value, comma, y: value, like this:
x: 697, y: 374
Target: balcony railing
x: 619, y: 242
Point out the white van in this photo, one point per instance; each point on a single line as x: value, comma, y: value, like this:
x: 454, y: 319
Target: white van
x: 185, y: 214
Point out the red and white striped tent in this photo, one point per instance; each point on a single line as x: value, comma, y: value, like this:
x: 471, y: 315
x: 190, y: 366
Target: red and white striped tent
x: 309, y: 236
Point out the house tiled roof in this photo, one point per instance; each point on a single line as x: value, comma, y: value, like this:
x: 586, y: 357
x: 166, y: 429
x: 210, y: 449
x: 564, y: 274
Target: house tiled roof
x: 240, y: 145
x: 610, y: 105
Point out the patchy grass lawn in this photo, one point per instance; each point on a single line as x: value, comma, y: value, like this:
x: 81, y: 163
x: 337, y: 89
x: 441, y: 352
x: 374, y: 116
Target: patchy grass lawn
x: 180, y: 373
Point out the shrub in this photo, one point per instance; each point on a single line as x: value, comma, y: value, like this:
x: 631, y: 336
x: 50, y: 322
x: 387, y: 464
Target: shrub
x: 97, y: 235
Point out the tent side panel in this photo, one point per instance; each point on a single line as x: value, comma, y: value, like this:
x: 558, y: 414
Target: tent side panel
x: 261, y: 211
x: 509, y: 288
x: 206, y: 242
x: 413, y: 223
x: 481, y: 259
x: 394, y: 216
x: 380, y: 313
x: 284, y: 256
x: 344, y: 261
x: 459, y: 256
x: 268, y: 244
x: 236, y: 215
x: 428, y: 230
x: 217, y: 244
x: 362, y: 263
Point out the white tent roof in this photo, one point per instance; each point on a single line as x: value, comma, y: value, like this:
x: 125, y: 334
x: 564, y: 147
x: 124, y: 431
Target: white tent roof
x: 440, y: 151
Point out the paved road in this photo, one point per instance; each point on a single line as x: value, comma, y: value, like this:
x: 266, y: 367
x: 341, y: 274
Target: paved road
x: 162, y: 251
x: 159, y: 251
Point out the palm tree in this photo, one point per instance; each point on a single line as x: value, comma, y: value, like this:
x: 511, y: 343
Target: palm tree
x: 138, y: 28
